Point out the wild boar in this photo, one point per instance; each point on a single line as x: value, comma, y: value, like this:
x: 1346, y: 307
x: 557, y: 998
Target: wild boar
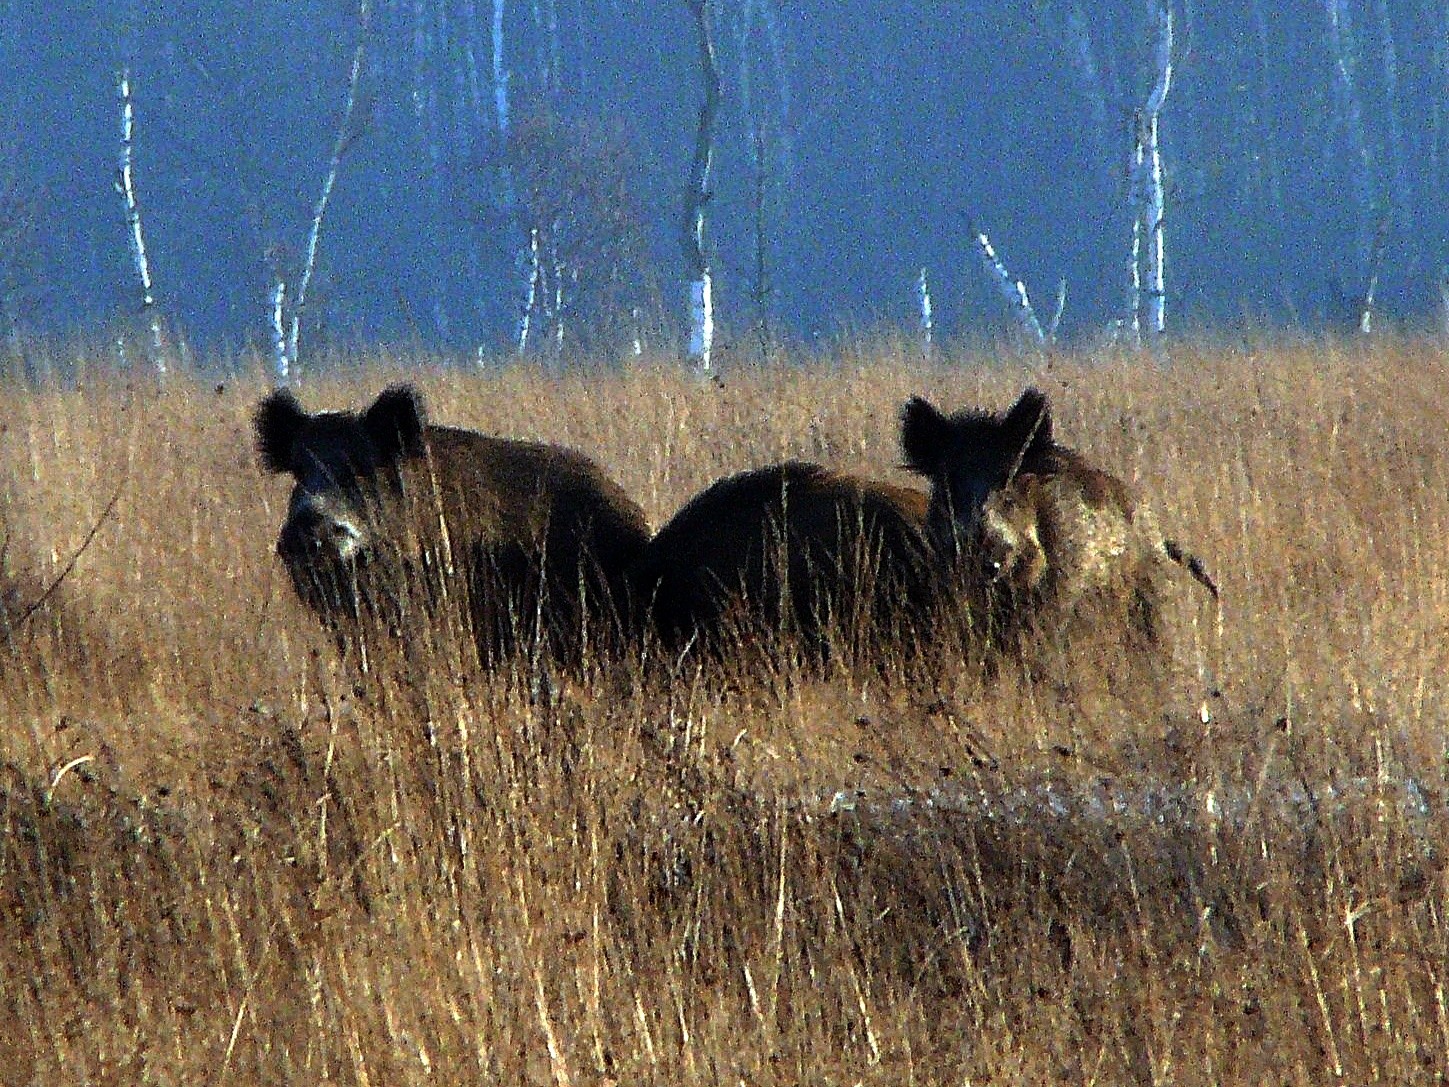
x: 795, y: 549
x: 1034, y: 536
x: 396, y: 519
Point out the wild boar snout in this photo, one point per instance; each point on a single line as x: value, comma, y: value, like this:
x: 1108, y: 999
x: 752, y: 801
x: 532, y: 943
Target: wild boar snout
x: 314, y: 531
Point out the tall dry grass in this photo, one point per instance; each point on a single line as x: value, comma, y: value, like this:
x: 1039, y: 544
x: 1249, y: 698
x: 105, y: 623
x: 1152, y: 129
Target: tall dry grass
x: 225, y: 858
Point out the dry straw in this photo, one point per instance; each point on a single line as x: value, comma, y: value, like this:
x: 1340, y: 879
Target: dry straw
x: 277, y: 870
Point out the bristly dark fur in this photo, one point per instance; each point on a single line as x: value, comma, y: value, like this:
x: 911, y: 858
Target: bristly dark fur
x: 528, y: 543
x: 1021, y: 436
x: 1039, y: 537
x: 396, y: 421
x: 839, y: 559
x: 278, y: 421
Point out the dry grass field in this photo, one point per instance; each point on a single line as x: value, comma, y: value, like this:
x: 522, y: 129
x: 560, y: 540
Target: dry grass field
x: 227, y: 857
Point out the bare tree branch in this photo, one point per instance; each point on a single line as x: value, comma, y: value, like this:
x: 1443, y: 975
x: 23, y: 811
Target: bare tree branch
x: 1012, y: 289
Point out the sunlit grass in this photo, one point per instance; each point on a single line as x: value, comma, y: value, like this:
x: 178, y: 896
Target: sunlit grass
x: 225, y: 857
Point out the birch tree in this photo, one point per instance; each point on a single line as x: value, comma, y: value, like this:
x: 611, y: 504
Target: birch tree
x: 762, y: 286
x: 1148, y: 199
x: 501, y: 74
x: 928, y: 327
x: 1013, y: 290
x: 585, y: 266
x: 286, y: 347
x: 1083, y: 57
x: 1400, y: 197
x: 126, y: 186
x: 1345, y: 85
x: 764, y: 104
x: 530, y: 301
x: 697, y: 194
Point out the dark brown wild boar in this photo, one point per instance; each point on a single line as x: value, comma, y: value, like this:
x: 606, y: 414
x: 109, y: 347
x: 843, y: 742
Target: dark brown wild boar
x: 395, y: 519
x: 1037, y: 538
x: 792, y: 549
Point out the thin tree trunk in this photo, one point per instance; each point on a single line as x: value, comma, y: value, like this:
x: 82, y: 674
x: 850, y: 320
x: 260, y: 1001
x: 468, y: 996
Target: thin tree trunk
x: 280, y: 362
x: 1400, y: 198
x: 701, y: 303
x: 1134, y: 201
x: 1155, y: 203
x: 125, y: 185
x: 762, y: 269
x: 1012, y: 289
x: 923, y: 292
x: 1146, y: 191
x: 1365, y: 303
x: 535, y: 275
x: 500, y: 75
x: 1156, y: 235
x: 1084, y: 59
x: 345, y: 135
x: 1340, y: 36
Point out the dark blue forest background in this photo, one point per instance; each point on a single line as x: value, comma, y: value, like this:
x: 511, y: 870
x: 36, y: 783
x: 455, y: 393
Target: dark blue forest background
x: 857, y: 140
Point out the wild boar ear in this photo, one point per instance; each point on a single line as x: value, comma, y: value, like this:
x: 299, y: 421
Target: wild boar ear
x: 925, y: 433
x: 277, y: 422
x: 1028, y: 425
x: 395, y: 421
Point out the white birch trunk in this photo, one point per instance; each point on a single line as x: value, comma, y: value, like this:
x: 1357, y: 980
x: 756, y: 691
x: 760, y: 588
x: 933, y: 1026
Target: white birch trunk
x: 280, y: 363
x: 125, y: 185
x: 1134, y: 201
x: 500, y: 75
x: 699, y: 279
x: 1012, y: 289
x: 923, y: 290
x: 1148, y: 304
x: 701, y: 322
x: 340, y: 146
x: 1376, y: 264
x: 1155, y: 202
x: 557, y: 313
x: 1156, y: 240
x: 1051, y: 332
x: 535, y: 273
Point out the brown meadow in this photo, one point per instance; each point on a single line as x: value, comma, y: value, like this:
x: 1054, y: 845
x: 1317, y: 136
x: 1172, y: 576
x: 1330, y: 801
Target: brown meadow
x: 226, y: 857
